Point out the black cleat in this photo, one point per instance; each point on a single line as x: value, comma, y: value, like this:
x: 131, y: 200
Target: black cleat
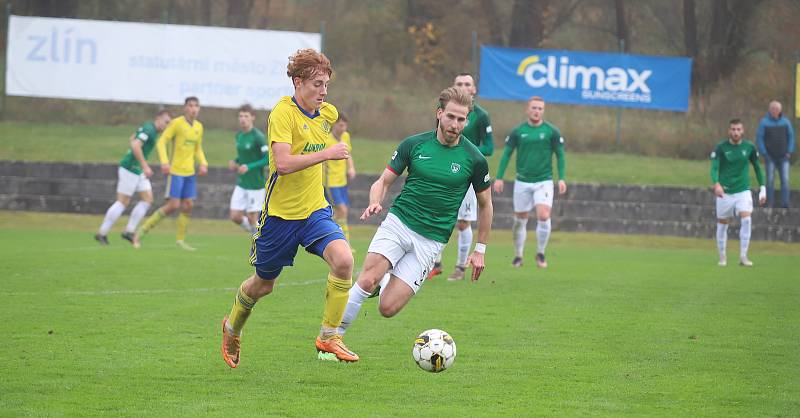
x: 540, y: 261
x: 517, y: 262
x: 102, y: 239
x: 127, y: 236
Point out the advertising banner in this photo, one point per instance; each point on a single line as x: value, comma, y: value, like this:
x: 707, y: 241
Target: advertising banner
x: 149, y: 63
x: 586, y: 78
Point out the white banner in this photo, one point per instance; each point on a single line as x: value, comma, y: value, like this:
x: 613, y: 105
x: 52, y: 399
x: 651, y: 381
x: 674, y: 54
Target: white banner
x: 149, y: 63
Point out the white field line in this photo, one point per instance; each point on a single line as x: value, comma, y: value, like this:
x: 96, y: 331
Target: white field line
x: 125, y: 292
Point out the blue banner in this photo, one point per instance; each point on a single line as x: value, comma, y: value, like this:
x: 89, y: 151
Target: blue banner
x: 586, y: 78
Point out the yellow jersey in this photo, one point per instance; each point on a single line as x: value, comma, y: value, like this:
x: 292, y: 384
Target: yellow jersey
x: 187, y: 146
x: 297, y: 195
x: 336, y: 170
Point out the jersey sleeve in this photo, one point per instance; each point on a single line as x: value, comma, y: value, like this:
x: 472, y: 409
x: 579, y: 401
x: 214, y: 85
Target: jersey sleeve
x: 715, y: 165
x: 261, y: 143
x: 143, y: 134
x: 485, y: 132
x: 280, y: 125
x: 757, y: 166
x: 481, y: 180
x: 511, y: 143
x: 558, y: 148
x: 400, y: 158
x: 198, y: 150
x: 166, y: 136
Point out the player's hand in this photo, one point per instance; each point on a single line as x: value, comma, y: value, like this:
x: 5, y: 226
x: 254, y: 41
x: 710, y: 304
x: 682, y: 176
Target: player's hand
x: 372, y: 209
x: 165, y: 169
x: 762, y: 195
x: 478, y: 264
x: 148, y: 172
x: 242, y: 169
x: 351, y: 174
x: 232, y: 165
x: 562, y: 187
x: 498, y: 186
x: 339, y: 151
x: 203, y: 170
x: 718, y: 190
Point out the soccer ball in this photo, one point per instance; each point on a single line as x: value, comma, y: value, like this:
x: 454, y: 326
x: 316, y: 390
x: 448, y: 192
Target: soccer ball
x: 434, y: 350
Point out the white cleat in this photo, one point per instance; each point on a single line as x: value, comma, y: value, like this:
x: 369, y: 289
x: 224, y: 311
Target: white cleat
x: 744, y: 262
x: 723, y: 261
x: 184, y: 246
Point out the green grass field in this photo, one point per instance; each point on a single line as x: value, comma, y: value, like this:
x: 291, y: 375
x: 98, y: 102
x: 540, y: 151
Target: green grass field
x: 97, y: 143
x: 617, y: 326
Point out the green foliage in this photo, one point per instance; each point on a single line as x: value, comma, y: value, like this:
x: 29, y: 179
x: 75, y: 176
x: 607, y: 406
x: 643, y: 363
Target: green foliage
x: 617, y: 326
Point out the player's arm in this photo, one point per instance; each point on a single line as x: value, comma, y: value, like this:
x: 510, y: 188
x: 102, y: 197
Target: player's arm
x: 136, y: 148
x: 287, y: 163
x: 485, y: 215
x: 487, y: 139
x: 715, y: 173
x: 561, y: 163
x: 762, y: 191
x: 161, y: 145
x: 351, y: 167
x: 201, y: 157
x: 261, y: 162
x: 511, y: 143
x: 377, y: 192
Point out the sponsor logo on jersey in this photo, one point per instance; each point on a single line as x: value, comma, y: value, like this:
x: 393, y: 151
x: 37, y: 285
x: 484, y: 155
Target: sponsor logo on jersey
x: 309, y: 148
x: 423, y: 157
x: 455, y: 167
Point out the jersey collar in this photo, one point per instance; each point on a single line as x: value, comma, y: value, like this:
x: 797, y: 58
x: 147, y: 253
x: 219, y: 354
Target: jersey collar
x: 310, y: 115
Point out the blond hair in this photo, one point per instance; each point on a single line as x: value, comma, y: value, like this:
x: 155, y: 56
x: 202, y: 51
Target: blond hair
x: 453, y: 94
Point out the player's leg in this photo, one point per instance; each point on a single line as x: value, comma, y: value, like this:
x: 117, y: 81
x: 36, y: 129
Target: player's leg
x: 543, y: 201
x: 137, y: 214
x: 466, y: 214
x: 269, y: 254
x: 384, y: 250
x: 188, y: 194
x: 255, y: 203
x: 112, y: 214
x: 237, y: 206
x: 408, y: 273
x: 174, y: 187
x: 523, y: 203
x: 744, y: 207
x: 724, y: 208
x: 323, y: 237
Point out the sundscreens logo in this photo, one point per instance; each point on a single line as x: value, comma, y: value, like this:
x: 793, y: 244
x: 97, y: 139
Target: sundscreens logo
x: 595, y: 83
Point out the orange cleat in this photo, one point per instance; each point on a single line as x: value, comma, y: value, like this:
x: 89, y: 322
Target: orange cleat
x: 335, y: 345
x: 435, y: 271
x: 230, y: 345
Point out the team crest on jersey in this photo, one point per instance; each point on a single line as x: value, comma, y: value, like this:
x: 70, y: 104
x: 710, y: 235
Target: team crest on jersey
x: 326, y: 126
x: 541, y: 135
x: 455, y: 167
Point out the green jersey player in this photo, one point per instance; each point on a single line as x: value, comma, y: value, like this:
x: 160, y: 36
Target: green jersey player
x: 535, y: 141
x: 477, y: 130
x: 251, y: 158
x: 441, y: 165
x: 731, y: 179
x: 133, y: 175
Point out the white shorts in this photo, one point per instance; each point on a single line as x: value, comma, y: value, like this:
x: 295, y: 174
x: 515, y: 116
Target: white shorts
x: 526, y: 195
x: 469, y: 206
x: 729, y: 205
x: 129, y: 183
x: 248, y: 200
x: 410, y: 254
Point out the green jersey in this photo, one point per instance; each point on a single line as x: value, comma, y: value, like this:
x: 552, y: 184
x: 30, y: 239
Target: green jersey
x: 251, y: 150
x: 148, y: 135
x: 536, y: 145
x: 729, y: 166
x: 479, y: 130
x: 438, y: 178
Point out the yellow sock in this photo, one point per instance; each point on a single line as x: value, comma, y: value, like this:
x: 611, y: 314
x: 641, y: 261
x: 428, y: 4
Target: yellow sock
x: 152, y: 221
x: 345, y: 228
x: 183, y: 223
x: 242, y: 306
x: 335, y: 301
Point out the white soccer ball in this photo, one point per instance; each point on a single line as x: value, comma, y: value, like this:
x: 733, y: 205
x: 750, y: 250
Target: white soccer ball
x: 434, y: 350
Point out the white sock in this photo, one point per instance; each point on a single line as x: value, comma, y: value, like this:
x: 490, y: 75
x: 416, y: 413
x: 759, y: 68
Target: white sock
x: 137, y: 214
x: 464, y: 242
x: 722, y: 239
x: 542, y: 235
x: 355, y: 299
x: 246, y: 224
x: 744, y: 236
x: 520, y: 233
x: 438, y: 259
x: 112, y: 214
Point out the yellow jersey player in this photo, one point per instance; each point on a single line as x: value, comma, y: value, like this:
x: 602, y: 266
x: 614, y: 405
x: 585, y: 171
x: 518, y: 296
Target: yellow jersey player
x: 186, y: 135
x: 295, y: 210
x: 337, y: 173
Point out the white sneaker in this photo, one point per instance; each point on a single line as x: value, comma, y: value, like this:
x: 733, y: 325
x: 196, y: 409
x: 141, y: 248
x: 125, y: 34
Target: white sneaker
x: 744, y: 262
x: 723, y: 261
x: 184, y: 246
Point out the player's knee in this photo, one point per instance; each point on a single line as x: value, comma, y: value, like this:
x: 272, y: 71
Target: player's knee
x: 259, y: 287
x: 236, y: 218
x: 342, y: 264
x: 388, y: 310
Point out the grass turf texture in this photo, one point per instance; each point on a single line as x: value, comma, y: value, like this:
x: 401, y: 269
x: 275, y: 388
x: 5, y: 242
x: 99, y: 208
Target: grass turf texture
x: 91, y: 143
x: 618, y: 325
